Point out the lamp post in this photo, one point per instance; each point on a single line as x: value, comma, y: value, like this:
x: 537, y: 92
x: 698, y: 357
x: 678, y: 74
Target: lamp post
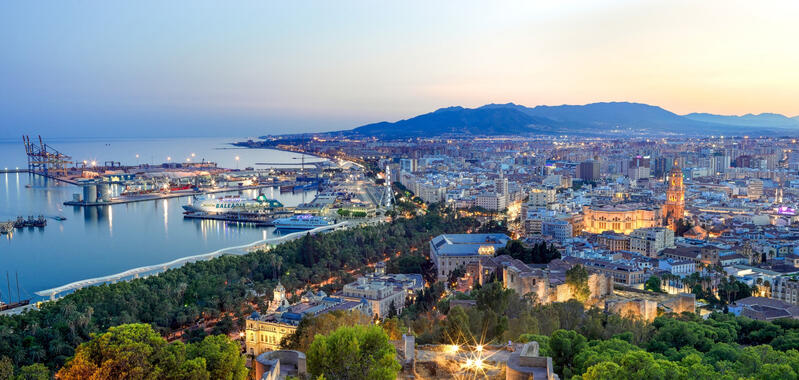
x: 237, y: 162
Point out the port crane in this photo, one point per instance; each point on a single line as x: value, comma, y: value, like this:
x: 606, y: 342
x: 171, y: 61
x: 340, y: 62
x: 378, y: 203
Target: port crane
x: 45, y: 159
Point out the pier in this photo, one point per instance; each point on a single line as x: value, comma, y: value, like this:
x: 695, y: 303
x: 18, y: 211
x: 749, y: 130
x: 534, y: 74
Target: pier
x: 248, y: 218
x: 157, y: 268
x: 159, y: 196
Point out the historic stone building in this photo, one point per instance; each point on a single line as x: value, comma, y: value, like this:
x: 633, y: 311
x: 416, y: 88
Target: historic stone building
x: 674, y: 209
x: 622, y: 218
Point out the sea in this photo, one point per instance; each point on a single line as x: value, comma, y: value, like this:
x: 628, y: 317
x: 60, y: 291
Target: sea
x: 100, y: 241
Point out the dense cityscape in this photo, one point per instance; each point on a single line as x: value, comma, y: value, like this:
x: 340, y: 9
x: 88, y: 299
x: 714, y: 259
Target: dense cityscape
x: 265, y: 190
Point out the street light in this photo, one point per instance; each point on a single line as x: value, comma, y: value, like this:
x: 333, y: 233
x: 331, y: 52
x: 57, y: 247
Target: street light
x: 237, y: 162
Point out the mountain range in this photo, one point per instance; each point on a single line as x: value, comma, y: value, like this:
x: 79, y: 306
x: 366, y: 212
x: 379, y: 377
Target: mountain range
x: 595, y: 119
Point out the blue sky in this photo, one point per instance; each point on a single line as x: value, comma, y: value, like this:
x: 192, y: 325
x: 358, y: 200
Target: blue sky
x: 173, y: 68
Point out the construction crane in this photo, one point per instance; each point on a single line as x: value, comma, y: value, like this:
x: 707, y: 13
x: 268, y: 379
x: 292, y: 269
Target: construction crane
x: 44, y: 159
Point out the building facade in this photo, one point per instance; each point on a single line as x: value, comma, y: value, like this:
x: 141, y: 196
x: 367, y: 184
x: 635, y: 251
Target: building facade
x: 451, y: 251
x: 621, y: 218
x: 674, y: 209
x: 650, y: 241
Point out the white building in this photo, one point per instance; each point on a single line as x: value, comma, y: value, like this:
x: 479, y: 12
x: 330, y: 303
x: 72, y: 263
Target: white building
x: 650, y: 241
x: 541, y: 197
x: 491, y: 201
x: 382, y: 290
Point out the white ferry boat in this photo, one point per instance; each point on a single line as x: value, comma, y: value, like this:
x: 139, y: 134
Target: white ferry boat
x: 232, y: 204
x: 302, y: 222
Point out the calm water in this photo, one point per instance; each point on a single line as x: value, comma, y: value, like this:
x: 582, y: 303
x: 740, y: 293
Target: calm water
x: 105, y: 240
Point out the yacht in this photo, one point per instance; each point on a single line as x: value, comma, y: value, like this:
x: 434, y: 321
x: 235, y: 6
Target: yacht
x: 233, y: 204
x: 302, y: 222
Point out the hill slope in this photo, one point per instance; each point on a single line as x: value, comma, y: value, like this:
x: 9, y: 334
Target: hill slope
x: 595, y: 119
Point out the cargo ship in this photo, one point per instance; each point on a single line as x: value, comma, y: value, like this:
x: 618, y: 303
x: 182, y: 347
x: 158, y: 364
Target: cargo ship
x: 231, y: 204
x: 302, y: 222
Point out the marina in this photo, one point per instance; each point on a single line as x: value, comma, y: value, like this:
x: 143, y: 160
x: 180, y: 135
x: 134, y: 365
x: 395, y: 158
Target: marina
x: 182, y: 208
x: 111, y: 238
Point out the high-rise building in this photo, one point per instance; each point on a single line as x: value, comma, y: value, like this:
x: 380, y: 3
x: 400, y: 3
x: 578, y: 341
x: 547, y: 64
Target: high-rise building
x: 754, y: 188
x: 501, y: 185
x: 408, y: 165
x: 638, y: 168
x: 674, y: 209
x: 588, y: 171
x: 650, y: 241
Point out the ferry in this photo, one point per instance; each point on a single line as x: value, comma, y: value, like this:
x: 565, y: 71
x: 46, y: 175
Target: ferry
x: 302, y: 222
x: 233, y: 204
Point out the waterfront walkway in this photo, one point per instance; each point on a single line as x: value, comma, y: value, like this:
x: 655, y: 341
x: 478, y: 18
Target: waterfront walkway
x: 153, y: 269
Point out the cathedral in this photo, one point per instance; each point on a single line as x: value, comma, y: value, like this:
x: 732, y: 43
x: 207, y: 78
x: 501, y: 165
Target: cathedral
x: 674, y: 209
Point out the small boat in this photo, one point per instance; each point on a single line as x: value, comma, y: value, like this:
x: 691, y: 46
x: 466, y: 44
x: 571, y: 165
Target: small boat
x: 6, y: 227
x: 59, y: 218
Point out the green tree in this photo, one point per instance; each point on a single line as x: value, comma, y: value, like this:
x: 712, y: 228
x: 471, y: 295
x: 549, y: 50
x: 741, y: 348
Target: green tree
x: 137, y: 352
x: 653, y: 284
x: 577, y: 279
x: 6, y: 368
x: 564, y: 345
x: 324, y: 324
x: 357, y: 352
x: 33, y: 372
x: 223, y: 359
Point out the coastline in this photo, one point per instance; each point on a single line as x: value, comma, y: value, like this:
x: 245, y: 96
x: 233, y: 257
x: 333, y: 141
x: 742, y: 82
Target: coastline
x: 156, y: 269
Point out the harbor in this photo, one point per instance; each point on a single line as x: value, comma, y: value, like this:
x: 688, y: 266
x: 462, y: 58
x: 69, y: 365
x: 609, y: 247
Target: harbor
x: 113, y: 237
x: 251, y: 195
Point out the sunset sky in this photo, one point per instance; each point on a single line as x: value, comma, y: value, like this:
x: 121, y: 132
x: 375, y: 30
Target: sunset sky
x: 202, y: 68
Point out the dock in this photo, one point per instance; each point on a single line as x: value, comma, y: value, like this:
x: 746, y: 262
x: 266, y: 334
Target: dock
x: 258, y: 220
x: 159, y: 196
x: 16, y: 170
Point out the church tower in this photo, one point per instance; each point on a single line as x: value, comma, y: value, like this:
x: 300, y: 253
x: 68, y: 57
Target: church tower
x: 674, y: 209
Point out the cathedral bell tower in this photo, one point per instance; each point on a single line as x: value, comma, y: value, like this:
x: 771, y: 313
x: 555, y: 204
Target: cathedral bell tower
x: 674, y: 209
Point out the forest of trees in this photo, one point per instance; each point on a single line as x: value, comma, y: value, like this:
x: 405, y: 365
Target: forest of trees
x: 207, y: 290
x: 136, y: 351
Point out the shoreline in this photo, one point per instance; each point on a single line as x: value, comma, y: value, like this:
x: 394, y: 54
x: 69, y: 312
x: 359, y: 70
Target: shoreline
x: 156, y: 269
x: 280, y: 150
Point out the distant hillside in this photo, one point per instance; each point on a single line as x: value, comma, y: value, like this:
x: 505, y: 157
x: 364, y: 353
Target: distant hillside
x: 621, y: 118
x: 763, y: 119
x: 459, y: 120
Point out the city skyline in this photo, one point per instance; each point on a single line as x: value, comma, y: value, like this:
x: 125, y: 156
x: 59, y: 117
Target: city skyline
x: 145, y: 68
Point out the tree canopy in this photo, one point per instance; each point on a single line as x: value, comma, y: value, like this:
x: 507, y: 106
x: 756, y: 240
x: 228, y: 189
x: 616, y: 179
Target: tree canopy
x: 136, y: 351
x: 353, y: 352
